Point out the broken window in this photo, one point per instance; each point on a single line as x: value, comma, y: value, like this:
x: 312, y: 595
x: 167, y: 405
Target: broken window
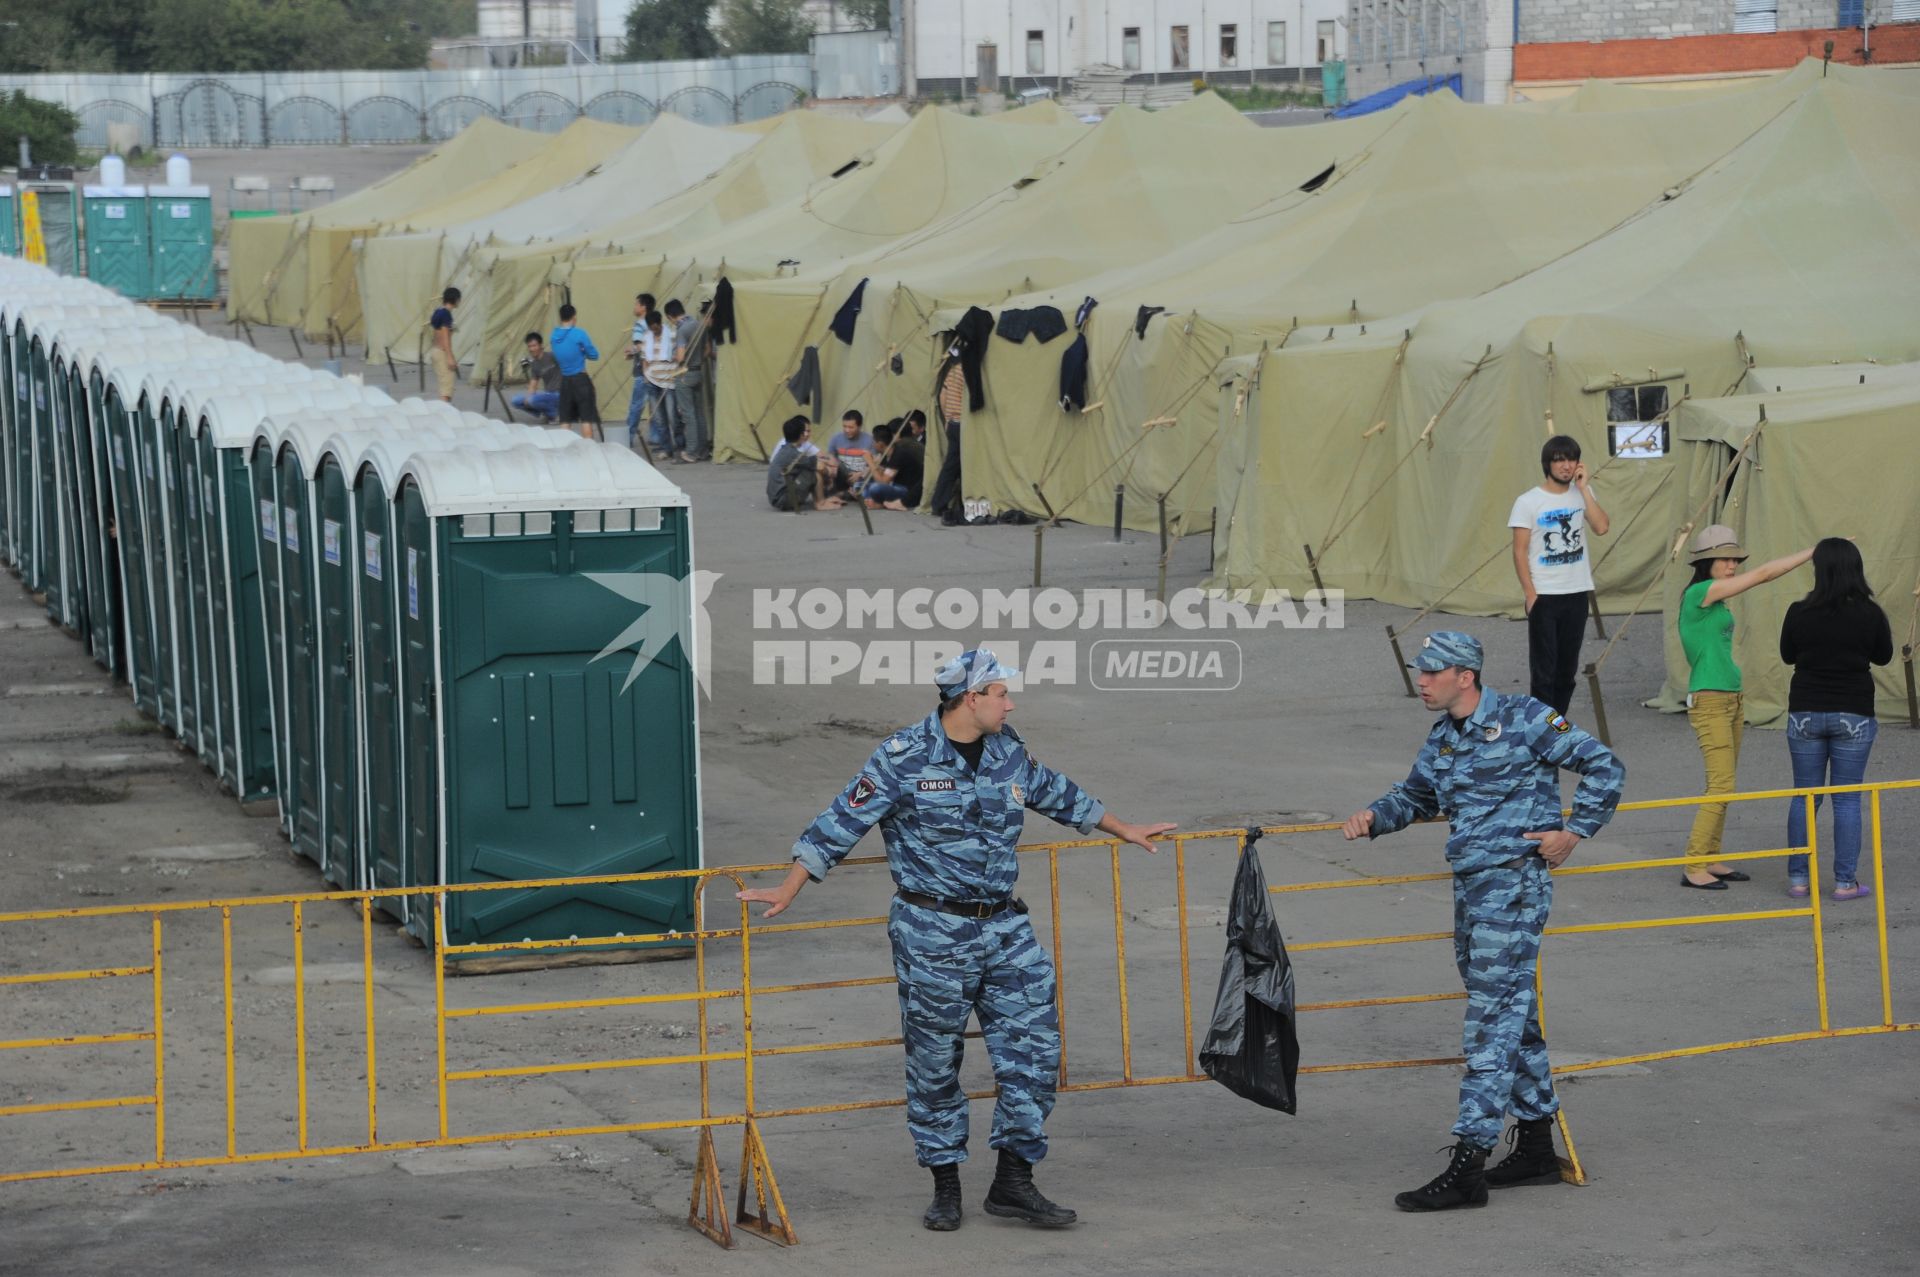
x: 1177, y: 41
x: 1276, y: 44
x: 1229, y: 44
x: 1130, y: 48
x: 1036, y: 52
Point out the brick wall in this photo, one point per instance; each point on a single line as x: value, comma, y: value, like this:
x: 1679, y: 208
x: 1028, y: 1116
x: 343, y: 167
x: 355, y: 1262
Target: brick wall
x: 1705, y: 54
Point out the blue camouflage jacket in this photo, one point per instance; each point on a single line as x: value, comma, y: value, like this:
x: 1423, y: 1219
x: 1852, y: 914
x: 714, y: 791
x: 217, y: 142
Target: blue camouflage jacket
x: 950, y: 832
x: 1497, y: 776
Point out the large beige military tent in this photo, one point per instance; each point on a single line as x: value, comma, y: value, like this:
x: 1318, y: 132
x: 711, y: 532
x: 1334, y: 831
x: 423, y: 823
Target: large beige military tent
x: 402, y: 272
x: 279, y: 268
x: 1837, y: 456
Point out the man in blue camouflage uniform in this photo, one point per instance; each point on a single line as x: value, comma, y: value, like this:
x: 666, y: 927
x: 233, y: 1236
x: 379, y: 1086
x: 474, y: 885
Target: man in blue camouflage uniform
x: 1491, y: 767
x: 949, y: 794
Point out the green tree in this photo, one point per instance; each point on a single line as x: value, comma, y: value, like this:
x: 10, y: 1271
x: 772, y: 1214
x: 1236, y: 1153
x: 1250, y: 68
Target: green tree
x: 48, y: 126
x: 874, y: 15
x: 670, y: 30
x: 764, y: 26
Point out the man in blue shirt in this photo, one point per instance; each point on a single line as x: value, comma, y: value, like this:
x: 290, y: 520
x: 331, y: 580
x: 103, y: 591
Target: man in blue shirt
x: 440, y: 326
x: 949, y: 794
x: 571, y: 346
x: 1491, y: 768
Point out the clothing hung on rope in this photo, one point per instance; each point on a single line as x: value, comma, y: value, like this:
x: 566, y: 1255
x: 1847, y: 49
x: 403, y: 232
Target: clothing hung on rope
x: 805, y: 384
x: 1044, y: 323
x: 1086, y: 309
x: 848, y: 314
x: 1140, y: 320
x: 970, y: 346
x: 720, y: 320
x: 1073, y: 375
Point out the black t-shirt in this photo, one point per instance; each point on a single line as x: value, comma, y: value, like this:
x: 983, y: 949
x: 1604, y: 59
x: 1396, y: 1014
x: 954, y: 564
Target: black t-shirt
x: 1831, y: 650
x: 908, y: 461
x: 972, y: 751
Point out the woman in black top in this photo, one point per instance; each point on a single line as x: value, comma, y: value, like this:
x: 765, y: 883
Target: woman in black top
x: 1832, y: 638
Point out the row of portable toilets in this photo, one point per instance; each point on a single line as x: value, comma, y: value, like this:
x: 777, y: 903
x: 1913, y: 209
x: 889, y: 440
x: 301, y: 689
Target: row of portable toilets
x: 151, y: 241
x: 394, y: 618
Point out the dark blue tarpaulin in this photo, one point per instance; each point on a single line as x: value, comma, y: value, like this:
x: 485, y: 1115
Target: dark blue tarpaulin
x: 1387, y: 97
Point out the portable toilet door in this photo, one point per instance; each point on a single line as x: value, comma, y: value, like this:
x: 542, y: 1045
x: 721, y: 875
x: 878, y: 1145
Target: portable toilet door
x: 337, y: 626
x: 264, y: 502
x: 244, y: 676
x: 104, y: 587
x: 549, y: 761
x: 9, y: 223
x: 118, y: 255
x: 182, y: 236
x: 50, y: 225
x: 129, y: 543
x: 44, y: 496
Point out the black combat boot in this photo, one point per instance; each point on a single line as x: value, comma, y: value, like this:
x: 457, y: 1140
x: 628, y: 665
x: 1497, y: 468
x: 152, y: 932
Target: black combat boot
x: 1463, y: 1183
x: 1532, y: 1161
x: 944, y: 1215
x: 1013, y: 1195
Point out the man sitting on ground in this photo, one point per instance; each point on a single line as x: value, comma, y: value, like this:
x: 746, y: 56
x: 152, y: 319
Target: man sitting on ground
x: 798, y: 475
x: 852, y: 448
x: 542, y: 399
x: 899, y: 469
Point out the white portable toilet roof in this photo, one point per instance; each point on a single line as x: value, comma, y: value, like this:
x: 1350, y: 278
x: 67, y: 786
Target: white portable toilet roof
x: 113, y: 192
x: 598, y: 476
x: 189, y: 386
x: 161, y: 374
x: 42, y: 321
x: 180, y: 192
x: 387, y: 444
x: 74, y: 339
x: 307, y: 430
x: 235, y: 418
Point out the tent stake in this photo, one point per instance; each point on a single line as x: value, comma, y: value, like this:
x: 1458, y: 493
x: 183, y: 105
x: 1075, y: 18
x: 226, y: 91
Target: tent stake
x: 486, y: 395
x: 1913, y: 697
x: 1313, y: 566
x: 1163, y: 549
x: 1599, y: 626
x: 866, y: 515
x: 1040, y: 528
x: 298, y: 353
x: 391, y: 370
x: 1052, y: 518
x: 1599, y: 706
x: 1119, y: 507
x: 1400, y: 661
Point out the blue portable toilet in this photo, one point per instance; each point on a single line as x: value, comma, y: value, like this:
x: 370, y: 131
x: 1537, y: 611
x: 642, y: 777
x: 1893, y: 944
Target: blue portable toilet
x: 181, y: 233
x: 115, y: 212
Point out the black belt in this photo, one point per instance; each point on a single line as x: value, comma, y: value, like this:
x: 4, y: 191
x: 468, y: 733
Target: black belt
x: 964, y: 908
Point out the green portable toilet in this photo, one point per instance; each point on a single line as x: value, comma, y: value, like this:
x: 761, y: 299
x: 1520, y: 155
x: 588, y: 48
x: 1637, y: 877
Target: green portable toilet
x: 181, y: 235
x: 139, y: 525
x: 285, y: 458
x: 90, y: 610
x: 55, y: 211
x: 364, y: 466
x: 9, y: 223
x: 118, y: 254
x: 530, y: 755
x: 239, y: 367
x: 244, y: 684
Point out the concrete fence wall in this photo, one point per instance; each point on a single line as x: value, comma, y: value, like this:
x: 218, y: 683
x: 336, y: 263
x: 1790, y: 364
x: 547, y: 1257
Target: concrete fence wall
x: 331, y: 108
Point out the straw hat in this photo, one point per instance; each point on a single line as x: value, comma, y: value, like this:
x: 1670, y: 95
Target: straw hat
x: 1715, y: 541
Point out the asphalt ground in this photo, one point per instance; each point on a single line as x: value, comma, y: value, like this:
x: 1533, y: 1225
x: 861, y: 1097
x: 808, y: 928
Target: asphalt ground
x: 1788, y: 1158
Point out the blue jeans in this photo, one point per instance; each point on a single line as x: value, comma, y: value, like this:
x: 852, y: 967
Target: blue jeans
x: 544, y: 404
x: 1819, y: 744
x: 883, y: 492
x: 665, y: 424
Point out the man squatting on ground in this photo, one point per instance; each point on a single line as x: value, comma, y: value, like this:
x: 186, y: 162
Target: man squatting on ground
x: 949, y: 794
x: 1491, y: 767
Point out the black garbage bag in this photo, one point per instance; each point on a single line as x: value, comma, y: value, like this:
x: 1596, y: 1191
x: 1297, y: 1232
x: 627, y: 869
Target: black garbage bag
x: 1250, y: 1047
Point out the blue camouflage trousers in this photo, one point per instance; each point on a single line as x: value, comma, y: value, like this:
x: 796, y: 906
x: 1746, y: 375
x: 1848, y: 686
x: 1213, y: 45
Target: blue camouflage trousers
x: 949, y: 968
x: 1497, y: 918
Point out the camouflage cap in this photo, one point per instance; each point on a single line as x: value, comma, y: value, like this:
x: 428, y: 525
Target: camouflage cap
x: 1448, y: 647
x: 970, y: 671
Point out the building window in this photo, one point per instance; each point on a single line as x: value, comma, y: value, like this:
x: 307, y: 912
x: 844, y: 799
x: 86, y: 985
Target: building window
x: 1229, y: 44
x: 1323, y: 41
x: 1756, y: 16
x: 1177, y: 41
x: 1036, y: 52
x: 1130, y: 48
x: 1276, y: 44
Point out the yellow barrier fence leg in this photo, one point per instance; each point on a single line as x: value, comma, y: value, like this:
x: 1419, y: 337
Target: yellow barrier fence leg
x: 1570, y: 1169
x: 707, y: 1210
x: 755, y: 1169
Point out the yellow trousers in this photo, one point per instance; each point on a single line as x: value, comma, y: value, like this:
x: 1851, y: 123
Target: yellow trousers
x: 442, y: 373
x: 1718, y: 724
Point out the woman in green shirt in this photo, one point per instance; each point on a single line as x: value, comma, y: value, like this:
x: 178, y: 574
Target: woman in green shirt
x: 1713, y: 687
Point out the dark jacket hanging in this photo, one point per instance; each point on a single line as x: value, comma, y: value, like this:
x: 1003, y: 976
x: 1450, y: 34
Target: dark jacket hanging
x: 970, y: 340
x: 1043, y: 323
x: 720, y: 321
x: 805, y: 385
x: 1140, y: 319
x: 849, y: 312
x: 1250, y: 1047
x: 1073, y: 375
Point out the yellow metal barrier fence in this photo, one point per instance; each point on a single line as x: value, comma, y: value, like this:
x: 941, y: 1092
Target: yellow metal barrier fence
x: 769, y: 1216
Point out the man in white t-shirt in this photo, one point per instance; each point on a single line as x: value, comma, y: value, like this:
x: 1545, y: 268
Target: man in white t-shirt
x: 1550, y: 525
